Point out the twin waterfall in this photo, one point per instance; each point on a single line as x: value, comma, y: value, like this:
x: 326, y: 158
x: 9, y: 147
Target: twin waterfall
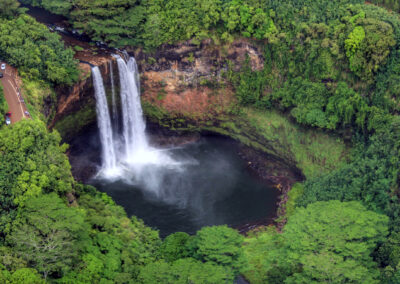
x: 130, y: 148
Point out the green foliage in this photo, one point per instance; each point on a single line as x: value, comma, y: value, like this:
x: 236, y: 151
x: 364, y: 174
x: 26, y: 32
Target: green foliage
x: 8, y: 8
x: 369, y: 46
x: 174, y: 247
x: 313, y: 152
x: 332, y: 65
x: 334, y: 230
x: 20, y: 276
x: 251, y: 21
x: 3, y: 103
x: 391, y: 4
x: 370, y: 177
x: 249, y: 85
x: 69, y: 126
x: 152, y: 23
x: 264, y: 253
x: 38, y: 53
x: 37, y: 95
x: 294, y: 196
x: 185, y: 271
x: 354, y: 41
x: 117, y: 246
x: 324, y: 71
x: 346, y: 233
x: 31, y: 163
x: 389, y: 252
x: 45, y: 232
x: 325, y: 242
x: 9, y: 259
x: 219, y: 245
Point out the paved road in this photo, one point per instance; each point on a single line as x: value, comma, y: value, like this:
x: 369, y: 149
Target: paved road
x: 15, y: 106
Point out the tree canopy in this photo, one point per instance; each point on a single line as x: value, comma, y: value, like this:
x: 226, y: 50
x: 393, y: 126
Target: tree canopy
x: 325, y: 242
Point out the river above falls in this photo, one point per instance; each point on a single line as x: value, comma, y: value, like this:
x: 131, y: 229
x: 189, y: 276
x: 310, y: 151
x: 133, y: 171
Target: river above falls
x: 211, y: 186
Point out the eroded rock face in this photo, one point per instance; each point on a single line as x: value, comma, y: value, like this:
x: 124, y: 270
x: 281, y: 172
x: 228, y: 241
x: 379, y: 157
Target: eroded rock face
x: 189, y: 78
x: 205, y: 59
x: 182, y: 79
x: 70, y: 99
x: 76, y: 104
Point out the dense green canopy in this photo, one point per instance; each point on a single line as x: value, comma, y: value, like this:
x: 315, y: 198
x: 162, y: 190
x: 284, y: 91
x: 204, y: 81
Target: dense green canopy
x: 329, y: 65
x: 38, y: 53
x: 326, y: 242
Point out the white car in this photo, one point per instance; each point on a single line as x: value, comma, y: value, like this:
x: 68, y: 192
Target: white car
x: 3, y: 66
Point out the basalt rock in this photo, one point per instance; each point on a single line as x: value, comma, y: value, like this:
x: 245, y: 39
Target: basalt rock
x: 76, y: 108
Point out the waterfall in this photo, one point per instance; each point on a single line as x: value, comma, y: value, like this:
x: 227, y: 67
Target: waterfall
x: 132, y: 115
x: 138, y: 162
x: 104, y: 123
x: 113, y: 100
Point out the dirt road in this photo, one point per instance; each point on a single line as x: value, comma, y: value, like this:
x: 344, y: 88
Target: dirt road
x: 15, y: 104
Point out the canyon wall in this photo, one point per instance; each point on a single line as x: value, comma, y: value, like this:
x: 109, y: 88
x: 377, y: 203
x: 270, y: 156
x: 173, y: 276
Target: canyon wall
x: 76, y: 106
x: 184, y: 90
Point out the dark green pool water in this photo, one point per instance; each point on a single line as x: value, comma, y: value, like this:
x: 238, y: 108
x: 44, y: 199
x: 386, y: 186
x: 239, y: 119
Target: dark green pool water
x: 211, y: 186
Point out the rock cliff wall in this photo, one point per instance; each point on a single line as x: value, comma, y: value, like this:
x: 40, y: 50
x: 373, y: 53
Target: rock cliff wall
x: 184, y: 91
x: 76, y: 106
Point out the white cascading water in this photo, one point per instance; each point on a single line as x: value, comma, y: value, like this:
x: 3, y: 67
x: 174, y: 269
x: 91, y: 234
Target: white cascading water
x: 113, y: 100
x: 138, y: 162
x: 144, y: 164
x: 136, y: 145
x: 109, y: 162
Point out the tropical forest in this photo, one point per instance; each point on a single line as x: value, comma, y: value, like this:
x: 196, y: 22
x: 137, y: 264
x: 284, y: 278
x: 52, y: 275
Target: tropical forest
x: 199, y: 141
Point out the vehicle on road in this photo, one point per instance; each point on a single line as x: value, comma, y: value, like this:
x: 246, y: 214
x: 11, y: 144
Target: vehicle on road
x: 8, y: 118
x: 3, y: 66
x: 1, y: 75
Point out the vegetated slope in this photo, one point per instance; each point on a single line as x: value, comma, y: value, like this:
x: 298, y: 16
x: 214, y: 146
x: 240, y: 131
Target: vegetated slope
x: 330, y: 65
x: 38, y: 54
x: 3, y: 103
x: 390, y: 4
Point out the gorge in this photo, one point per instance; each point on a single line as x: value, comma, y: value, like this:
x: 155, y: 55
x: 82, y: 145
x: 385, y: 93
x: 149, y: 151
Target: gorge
x: 178, y: 188
x: 200, y: 142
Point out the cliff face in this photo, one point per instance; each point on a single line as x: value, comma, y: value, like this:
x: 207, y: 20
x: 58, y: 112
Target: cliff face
x: 76, y: 106
x: 188, y: 80
x: 184, y: 91
x: 184, y: 80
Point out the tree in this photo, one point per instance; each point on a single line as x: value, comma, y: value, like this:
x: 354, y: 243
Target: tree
x: 175, y: 247
x: 333, y: 241
x: 220, y: 245
x: 266, y: 257
x: 20, y: 276
x: 3, y: 102
x: 327, y: 242
x: 26, y: 275
x: 185, y: 271
x: 36, y: 52
x: 117, y: 246
x: 46, y: 234
x: 370, y: 177
x: 31, y: 163
x: 8, y: 8
x: 368, y: 47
